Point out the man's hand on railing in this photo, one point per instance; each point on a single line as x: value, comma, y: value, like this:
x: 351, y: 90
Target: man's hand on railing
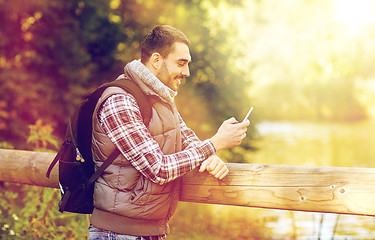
x: 214, y: 166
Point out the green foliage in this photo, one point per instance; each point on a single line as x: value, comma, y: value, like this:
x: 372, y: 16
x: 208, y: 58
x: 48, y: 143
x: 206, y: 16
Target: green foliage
x: 6, y: 145
x: 49, y: 51
x: 30, y: 212
x: 41, y: 135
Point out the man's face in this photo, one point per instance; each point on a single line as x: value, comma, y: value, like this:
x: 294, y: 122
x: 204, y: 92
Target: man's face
x: 175, y: 66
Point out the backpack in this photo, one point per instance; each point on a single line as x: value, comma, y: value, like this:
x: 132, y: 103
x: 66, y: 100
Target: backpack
x: 76, y: 166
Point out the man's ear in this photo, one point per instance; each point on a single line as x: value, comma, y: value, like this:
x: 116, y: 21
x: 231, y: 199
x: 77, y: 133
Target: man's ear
x: 156, y: 61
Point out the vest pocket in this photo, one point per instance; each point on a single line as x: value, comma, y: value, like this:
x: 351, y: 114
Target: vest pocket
x: 138, y: 192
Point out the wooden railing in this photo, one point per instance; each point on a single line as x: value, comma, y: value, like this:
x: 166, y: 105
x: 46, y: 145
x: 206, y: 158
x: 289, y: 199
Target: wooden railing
x: 313, y: 189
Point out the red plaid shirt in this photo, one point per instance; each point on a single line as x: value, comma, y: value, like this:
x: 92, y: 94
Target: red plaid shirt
x: 121, y: 119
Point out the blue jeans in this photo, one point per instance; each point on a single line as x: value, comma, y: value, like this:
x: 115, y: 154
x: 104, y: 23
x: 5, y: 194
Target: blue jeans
x: 100, y: 234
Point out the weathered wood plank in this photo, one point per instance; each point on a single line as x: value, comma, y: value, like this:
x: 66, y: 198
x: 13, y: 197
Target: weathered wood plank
x: 316, y: 189
x: 27, y: 167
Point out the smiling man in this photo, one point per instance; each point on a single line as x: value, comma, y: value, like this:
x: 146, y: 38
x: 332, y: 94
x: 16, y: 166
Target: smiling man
x: 138, y: 193
x: 171, y: 69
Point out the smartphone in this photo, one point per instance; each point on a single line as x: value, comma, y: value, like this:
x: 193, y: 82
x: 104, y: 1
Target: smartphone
x: 248, y: 114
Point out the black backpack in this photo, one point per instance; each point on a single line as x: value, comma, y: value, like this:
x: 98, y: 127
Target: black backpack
x: 76, y: 166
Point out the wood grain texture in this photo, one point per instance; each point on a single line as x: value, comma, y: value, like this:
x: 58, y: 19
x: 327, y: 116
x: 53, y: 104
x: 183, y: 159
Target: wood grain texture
x: 27, y: 167
x: 315, y: 189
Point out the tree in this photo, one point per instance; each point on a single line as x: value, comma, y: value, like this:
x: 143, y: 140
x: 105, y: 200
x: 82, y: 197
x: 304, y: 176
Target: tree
x: 55, y: 52
x: 50, y: 50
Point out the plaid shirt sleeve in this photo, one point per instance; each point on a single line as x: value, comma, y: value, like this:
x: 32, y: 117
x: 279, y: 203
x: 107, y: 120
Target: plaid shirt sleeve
x: 121, y: 119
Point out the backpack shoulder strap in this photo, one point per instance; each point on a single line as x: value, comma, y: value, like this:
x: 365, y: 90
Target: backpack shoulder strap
x: 101, y: 169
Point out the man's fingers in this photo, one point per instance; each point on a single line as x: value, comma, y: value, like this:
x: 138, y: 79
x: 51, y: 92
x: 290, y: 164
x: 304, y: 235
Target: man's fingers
x: 214, y: 166
x: 243, y: 136
x: 245, y: 123
x: 219, y: 167
x: 231, y: 120
x: 211, y: 167
x: 222, y: 173
x: 203, y: 166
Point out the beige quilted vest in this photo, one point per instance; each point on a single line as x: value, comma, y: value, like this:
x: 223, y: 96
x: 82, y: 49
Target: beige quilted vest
x: 122, y: 194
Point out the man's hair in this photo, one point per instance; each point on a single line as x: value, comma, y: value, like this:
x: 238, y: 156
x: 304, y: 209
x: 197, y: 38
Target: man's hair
x: 160, y: 39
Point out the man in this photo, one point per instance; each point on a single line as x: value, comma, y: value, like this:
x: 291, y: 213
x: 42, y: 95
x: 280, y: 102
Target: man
x: 138, y: 192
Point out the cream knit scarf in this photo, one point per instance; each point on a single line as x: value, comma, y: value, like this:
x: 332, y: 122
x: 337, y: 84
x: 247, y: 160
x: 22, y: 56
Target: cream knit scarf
x: 138, y: 71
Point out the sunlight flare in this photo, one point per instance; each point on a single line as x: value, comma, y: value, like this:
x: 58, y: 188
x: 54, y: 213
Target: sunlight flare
x: 353, y: 13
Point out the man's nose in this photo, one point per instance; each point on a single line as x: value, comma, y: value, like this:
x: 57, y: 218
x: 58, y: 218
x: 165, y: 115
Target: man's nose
x: 186, y: 71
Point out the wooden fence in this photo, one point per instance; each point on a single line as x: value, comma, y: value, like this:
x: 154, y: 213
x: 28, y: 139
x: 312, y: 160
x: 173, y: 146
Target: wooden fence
x: 313, y: 189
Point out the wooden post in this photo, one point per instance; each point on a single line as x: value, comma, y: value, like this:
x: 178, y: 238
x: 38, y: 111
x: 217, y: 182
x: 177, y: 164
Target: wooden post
x: 314, y: 189
x: 27, y: 167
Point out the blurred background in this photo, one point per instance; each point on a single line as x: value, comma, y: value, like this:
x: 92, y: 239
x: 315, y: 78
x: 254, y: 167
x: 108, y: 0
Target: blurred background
x: 307, y: 67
